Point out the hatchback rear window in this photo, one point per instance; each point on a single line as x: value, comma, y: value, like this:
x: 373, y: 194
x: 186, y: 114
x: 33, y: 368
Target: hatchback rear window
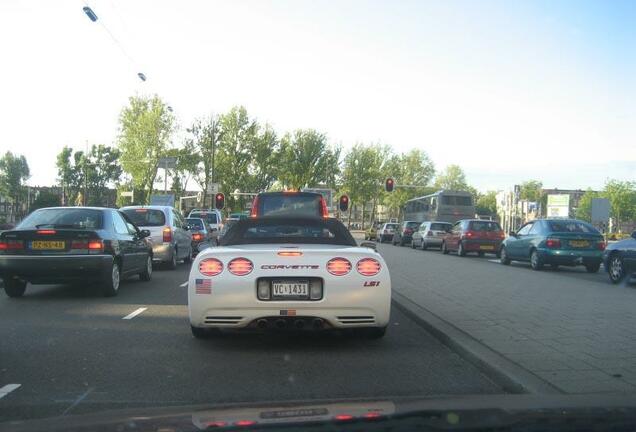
x: 440, y: 227
x: 145, y: 217
x: 391, y: 226
x: 76, y: 218
x: 195, y: 223
x: 208, y: 217
x: 484, y: 226
x: 571, y: 226
x: 412, y: 224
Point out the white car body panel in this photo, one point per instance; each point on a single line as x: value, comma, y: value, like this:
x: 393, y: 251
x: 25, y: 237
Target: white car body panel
x: 352, y: 300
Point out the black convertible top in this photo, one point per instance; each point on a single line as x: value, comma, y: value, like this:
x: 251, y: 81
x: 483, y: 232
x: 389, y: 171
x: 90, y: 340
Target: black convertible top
x: 285, y: 229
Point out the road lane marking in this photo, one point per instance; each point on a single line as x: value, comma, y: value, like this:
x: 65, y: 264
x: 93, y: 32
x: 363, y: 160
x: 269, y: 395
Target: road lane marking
x: 77, y: 401
x: 8, y: 389
x: 496, y: 261
x: 185, y: 284
x: 134, y: 314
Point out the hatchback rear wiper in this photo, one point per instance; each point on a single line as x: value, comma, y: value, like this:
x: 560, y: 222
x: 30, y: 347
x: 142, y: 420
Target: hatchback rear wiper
x: 52, y: 225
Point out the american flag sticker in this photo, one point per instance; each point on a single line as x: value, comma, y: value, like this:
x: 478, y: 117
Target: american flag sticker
x: 203, y: 286
x: 288, y: 312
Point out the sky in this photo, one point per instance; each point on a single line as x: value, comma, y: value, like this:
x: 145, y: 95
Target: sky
x: 507, y: 90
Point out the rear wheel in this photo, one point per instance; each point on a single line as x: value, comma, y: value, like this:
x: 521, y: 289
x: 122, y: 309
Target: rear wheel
x: 444, y: 248
x: 424, y: 246
x: 110, y: 284
x: 412, y: 244
x: 146, y: 275
x: 172, y: 264
x: 460, y: 250
x: 503, y: 256
x: 536, y: 262
x: 616, y: 270
x: 593, y: 268
x: 188, y: 258
x: 14, y: 287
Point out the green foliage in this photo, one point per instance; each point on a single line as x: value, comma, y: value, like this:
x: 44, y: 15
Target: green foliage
x: 622, y: 198
x: 486, y: 204
x: 199, y: 154
x: 362, y: 173
x: 146, y: 126
x: 412, y: 168
x: 531, y: 190
x: 452, y: 178
x: 14, y: 171
x: 584, y: 210
x: 45, y: 198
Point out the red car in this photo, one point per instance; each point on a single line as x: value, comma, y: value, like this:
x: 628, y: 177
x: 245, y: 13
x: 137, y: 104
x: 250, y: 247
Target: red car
x: 474, y: 235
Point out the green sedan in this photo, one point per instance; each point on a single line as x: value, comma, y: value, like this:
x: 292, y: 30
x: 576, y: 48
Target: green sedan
x: 556, y: 242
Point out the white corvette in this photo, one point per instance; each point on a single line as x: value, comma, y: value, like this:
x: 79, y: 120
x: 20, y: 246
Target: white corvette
x: 289, y: 273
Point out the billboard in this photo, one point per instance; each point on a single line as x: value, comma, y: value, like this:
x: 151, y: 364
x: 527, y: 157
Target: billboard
x: 600, y: 210
x: 559, y: 205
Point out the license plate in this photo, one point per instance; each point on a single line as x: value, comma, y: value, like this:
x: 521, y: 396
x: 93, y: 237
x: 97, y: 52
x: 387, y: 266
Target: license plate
x: 486, y: 247
x: 290, y: 289
x: 579, y: 243
x: 47, y: 245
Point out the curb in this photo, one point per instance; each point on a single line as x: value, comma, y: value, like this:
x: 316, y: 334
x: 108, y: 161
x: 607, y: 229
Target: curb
x: 503, y: 371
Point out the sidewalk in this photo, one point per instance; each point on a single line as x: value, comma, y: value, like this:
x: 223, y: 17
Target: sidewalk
x: 572, y: 331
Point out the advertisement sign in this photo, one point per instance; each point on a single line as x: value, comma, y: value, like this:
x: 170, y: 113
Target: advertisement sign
x: 600, y: 210
x: 559, y: 205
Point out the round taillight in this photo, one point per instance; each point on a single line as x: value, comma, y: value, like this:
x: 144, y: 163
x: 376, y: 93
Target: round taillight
x: 240, y: 266
x: 368, y: 267
x: 339, y: 266
x: 210, y: 267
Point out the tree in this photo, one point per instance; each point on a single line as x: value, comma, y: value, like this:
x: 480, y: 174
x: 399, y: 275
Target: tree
x: 361, y: 174
x: 45, y: 198
x: 146, y: 126
x: 186, y: 167
x: 622, y: 198
x: 264, y: 167
x: 203, y: 144
x: 69, y: 174
x: 531, y: 190
x: 14, y: 171
x: 486, y: 204
x: 308, y: 160
x: 584, y: 210
x: 452, y: 178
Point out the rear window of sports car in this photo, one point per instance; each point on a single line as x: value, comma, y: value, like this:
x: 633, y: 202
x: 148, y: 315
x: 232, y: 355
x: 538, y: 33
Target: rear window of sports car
x: 287, y: 230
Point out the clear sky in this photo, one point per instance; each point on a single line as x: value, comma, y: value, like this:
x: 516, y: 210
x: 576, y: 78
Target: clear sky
x: 509, y: 90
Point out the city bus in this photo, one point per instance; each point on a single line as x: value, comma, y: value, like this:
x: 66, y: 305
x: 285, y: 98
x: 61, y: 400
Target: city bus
x: 444, y: 206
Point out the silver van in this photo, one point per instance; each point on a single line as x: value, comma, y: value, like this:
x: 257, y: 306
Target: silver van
x: 169, y: 233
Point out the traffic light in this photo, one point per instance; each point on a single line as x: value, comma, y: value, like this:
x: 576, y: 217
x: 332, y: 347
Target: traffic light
x: 389, y: 184
x: 343, y: 203
x: 219, y: 201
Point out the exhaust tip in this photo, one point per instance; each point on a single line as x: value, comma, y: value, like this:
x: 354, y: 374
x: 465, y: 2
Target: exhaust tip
x: 280, y: 323
x: 262, y: 323
x: 299, y: 324
x: 317, y: 323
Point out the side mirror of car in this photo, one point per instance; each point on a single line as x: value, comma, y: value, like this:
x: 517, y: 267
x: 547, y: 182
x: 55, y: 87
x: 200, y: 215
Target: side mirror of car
x: 144, y: 233
x: 368, y: 244
x: 512, y: 234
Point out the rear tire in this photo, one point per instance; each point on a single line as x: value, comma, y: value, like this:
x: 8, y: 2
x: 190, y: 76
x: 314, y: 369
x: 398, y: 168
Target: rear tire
x: 592, y: 268
x: 412, y: 244
x: 14, y: 287
x: 444, y: 248
x: 188, y: 258
x: 536, y: 262
x: 460, y: 250
x: 503, y: 257
x: 146, y: 275
x: 172, y: 264
x: 616, y: 270
x: 424, y: 245
x: 111, y: 281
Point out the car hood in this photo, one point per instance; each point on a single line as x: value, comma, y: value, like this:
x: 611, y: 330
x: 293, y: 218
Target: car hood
x: 475, y: 412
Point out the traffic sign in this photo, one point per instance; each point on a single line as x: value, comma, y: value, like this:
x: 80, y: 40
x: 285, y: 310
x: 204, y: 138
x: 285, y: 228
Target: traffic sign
x: 600, y: 210
x: 168, y: 162
x: 214, y: 188
x: 127, y: 194
x: 199, y: 196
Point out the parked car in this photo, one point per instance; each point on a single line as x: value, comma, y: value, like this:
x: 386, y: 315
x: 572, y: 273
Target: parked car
x: 229, y: 222
x: 404, y: 233
x: 555, y: 242
x: 212, y: 217
x: 386, y: 232
x: 430, y: 234
x: 169, y: 234
x: 619, y: 259
x: 200, y: 233
x: 74, y: 245
x: 473, y: 235
x: 372, y: 232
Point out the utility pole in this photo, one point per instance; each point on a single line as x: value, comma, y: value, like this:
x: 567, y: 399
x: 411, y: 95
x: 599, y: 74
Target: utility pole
x: 85, y: 174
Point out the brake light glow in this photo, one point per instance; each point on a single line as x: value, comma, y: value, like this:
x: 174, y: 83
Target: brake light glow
x: 240, y: 266
x: 46, y: 231
x: 323, y: 207
x: 79, y: 244
x: 408, y: 231
x: 197, y: 236
x: 141, y: 210
x: 289, y: 253
x: 254, y: 209
x: 210, y: 267
x: 343, y: 417
x: 11, y: 245
x: 95, y: 245
x: 244, y: 423
x: 553, y: 243
x: 600, y: 245
x: 216, y: 424
x: 469, y: 234
x: 369, y: 267
x: 338, y: 266
x: 372, y: 415
x: 502, y: 235
x: 167, y: 235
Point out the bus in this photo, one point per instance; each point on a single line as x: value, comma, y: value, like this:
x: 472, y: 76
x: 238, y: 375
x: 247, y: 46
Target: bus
x: 444, y: 206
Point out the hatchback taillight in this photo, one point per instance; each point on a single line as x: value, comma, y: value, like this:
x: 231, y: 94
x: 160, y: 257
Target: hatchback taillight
x: 369, y: 267
x: 254, y: 210
x: 339, y: 266
x: 468, y: 234
x: 11, y: 244
x: 408, y: 231
x: 210, y: 267
x: 167, y: 235
x: 197, y: 237
x: 600, y: 245
x: 240, y: 266
x: 430, y: 234
x: 553, y: 243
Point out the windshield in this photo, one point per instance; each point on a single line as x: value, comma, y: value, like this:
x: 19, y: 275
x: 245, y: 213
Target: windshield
x: 209, y: 217
x: 145, y: 217
x: 195, y: 223
x: 63, y: 218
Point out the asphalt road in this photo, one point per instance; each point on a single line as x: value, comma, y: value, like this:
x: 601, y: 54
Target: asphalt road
x: 72, y: 351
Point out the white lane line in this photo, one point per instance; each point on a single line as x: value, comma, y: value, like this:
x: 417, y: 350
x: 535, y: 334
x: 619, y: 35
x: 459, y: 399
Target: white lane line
x: 496, y: 261
x: 134, y: 314
x: 185, y: 284
x: 77, y: 401
x: 8, y: 389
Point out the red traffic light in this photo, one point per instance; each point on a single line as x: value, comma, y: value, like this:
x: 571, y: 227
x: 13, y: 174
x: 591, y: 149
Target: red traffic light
x: 343, y: 203
x: 389, y: 184
x: 219, y: 201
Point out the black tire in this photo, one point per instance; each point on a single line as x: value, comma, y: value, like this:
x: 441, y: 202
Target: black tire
x: 14, y: 287
x: 111, y: 280
x: 412, y: 244
x: 371, y: 332
x: 592, y: 268
x: 188, y: 258
x: 503, y: 256
x: 615, y: 271
x: 172, y: 264
x: 402, y: 242
x: 460, y: 250
x: 423, y: 246
x: 481, y: 254
x: 146, y: 275
x: 444, y: 248
x: 536, y: 262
